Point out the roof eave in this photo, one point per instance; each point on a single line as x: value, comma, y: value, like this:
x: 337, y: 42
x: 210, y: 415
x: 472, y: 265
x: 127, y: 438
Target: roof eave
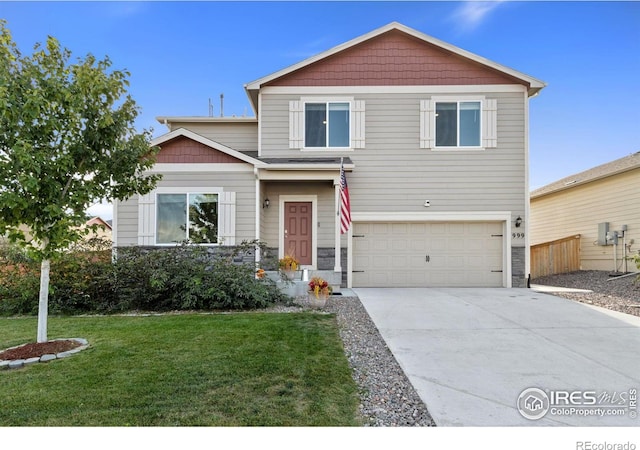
x: 183, y: 132
x: 254, y: 87
x: 305, y: 167
x: 566, y: 187
x: 205, y: 119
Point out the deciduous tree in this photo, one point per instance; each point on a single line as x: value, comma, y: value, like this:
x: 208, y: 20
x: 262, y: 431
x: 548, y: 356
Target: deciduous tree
x: 67, y: 141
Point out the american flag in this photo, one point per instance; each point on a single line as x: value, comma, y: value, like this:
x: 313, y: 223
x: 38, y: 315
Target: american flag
x: 345, y: 206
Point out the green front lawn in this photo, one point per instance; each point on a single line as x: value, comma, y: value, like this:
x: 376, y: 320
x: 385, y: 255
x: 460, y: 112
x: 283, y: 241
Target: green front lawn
x: 244, y: 369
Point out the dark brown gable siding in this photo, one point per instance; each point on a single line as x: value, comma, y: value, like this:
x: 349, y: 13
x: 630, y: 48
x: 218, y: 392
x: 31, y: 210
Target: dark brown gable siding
x: 185, y: 150
x: 393, y: 59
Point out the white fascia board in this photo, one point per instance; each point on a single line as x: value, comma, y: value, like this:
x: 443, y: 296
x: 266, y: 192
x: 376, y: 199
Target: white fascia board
x: 535, y: 84
x: 420, y: 90
x: 205, y: 119
x: 208, y: 142
x: 199, y: 167
x: 444, y: 216
x: 289, y: 175
x: 308, y: 167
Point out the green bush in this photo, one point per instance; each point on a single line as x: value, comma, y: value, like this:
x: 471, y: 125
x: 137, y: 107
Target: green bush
x: 636, y: 259
x: 80, y: 280
x: 19, y: 284
x: 85, y: 280
x: 188, y: 278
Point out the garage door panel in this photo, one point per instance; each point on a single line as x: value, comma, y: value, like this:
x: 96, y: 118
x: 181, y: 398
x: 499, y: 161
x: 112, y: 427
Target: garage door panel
x: 423, y: 254
x: 457, y: 245
x: 400, y: 245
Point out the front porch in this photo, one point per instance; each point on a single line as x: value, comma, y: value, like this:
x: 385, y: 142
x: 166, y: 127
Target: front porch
x: 298, y: 215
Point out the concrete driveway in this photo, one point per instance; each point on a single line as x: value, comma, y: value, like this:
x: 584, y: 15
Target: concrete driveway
x: 471, y: 353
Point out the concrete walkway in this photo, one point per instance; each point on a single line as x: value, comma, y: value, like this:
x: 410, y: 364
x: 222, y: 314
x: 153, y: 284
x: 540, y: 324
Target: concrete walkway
x: 470, y: 354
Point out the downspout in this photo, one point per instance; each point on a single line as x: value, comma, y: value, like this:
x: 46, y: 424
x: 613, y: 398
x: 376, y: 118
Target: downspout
x: 527, y: 195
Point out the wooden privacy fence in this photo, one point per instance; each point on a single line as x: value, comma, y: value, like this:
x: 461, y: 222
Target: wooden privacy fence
x: 559, y: 256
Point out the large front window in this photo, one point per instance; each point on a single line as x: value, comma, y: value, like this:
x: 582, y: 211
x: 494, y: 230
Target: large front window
x: 458, y: 124
x: 327, y: 124
x: 189, y: 217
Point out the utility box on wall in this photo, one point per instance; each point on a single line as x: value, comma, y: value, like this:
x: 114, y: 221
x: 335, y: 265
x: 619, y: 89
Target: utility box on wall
x: 603, y: 229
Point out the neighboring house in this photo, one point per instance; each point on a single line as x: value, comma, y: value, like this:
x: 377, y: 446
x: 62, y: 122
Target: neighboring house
x: 606, y: 197
x: 434, y: 141
x: 103, y: 228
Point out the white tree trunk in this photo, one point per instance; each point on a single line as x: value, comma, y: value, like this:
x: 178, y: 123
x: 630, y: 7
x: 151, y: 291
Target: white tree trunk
x: 43, y: 304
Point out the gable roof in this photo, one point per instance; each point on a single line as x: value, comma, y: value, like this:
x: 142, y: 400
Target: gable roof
x: 534, y: 85
x: 97, y: 220
x: 609, y: 169
x: 183, y: 132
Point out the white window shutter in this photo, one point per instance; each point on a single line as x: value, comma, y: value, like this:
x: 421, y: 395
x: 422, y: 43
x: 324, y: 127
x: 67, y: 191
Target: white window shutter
x: 490, y: 123
x: 296, y: 124
x: 357, y: 124
x: 426, y: 123
x: 227, y: 218
x: 146, y: 219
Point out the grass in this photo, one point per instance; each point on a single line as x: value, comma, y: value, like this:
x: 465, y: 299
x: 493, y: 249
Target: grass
x: 249, y: 369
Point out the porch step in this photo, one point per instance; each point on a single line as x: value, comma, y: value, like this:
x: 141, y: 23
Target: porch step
x: 299, y: 287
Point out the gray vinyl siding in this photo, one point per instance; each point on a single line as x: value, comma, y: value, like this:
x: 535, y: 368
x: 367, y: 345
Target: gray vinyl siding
x: 242, y: 183
x: 238, y: 136
x: 326, y: 210
x: 126, y: 228
x: 578, y: 210
x: 393, y: 173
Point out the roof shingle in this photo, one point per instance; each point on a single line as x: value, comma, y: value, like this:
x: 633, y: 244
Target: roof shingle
x: 623, y: 164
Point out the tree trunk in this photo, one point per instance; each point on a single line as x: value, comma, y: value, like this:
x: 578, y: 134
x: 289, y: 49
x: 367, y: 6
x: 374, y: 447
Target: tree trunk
x: 43, y: 304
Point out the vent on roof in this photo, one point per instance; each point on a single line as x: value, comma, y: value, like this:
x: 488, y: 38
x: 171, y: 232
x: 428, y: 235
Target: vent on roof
x: 568, y: 183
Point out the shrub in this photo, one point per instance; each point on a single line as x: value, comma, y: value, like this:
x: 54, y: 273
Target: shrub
x: 86, y: 280
x: 636, y: 259
x: 19, y: 284
x: 80, y: 280
x: 186, y: 278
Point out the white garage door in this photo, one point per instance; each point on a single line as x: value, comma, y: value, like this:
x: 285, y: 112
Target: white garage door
x: 434, y: 254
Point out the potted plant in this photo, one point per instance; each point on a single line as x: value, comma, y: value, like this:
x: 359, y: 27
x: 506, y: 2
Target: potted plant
x: 288, y: 265
x: 319, y: 292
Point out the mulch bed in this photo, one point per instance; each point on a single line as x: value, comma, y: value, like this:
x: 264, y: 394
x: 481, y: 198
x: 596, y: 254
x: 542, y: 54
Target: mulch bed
x: 37, y: 349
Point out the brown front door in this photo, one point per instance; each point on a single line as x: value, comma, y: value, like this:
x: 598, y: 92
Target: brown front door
x: 298, y: 241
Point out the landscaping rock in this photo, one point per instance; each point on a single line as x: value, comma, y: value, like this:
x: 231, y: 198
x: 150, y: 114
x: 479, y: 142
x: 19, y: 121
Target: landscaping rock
x: 45, y: 358
x: 616, y: 294
x: 16, y: 364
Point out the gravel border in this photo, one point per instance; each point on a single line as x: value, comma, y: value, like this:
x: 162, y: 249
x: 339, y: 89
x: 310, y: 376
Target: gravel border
x: 387, y: 397
x: 616, y: 294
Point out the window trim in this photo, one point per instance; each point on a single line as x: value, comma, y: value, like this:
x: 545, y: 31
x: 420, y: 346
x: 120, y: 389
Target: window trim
x: 327, y: 101
x: 458, y: 99
x: 186, y: 191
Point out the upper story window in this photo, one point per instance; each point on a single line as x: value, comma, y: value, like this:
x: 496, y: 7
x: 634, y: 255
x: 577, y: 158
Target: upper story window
x: 452, y: 123
x: 458, y: 124
x: 326, y: 124
x: 187, y: 217
x: 317, y: 123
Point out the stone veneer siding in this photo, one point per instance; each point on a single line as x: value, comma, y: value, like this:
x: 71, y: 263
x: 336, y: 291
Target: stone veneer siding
x: 518, y: 277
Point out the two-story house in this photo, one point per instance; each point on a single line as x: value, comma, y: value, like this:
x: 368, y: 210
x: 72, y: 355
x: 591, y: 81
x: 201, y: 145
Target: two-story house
x: 433, y: 141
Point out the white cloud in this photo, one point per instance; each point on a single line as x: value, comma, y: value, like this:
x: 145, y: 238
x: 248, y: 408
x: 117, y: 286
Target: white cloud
x: 472, y: 13
x: 103, y: 210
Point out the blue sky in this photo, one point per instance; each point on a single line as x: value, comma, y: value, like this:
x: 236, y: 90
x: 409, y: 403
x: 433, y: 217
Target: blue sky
x: 180, y: 54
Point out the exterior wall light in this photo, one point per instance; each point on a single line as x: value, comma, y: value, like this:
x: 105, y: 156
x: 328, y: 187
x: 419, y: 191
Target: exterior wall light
x: 518, y: 222
x: 266, y: 203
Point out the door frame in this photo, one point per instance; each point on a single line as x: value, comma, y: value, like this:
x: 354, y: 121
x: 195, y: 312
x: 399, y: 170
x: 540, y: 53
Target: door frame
x: 314, y: 225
